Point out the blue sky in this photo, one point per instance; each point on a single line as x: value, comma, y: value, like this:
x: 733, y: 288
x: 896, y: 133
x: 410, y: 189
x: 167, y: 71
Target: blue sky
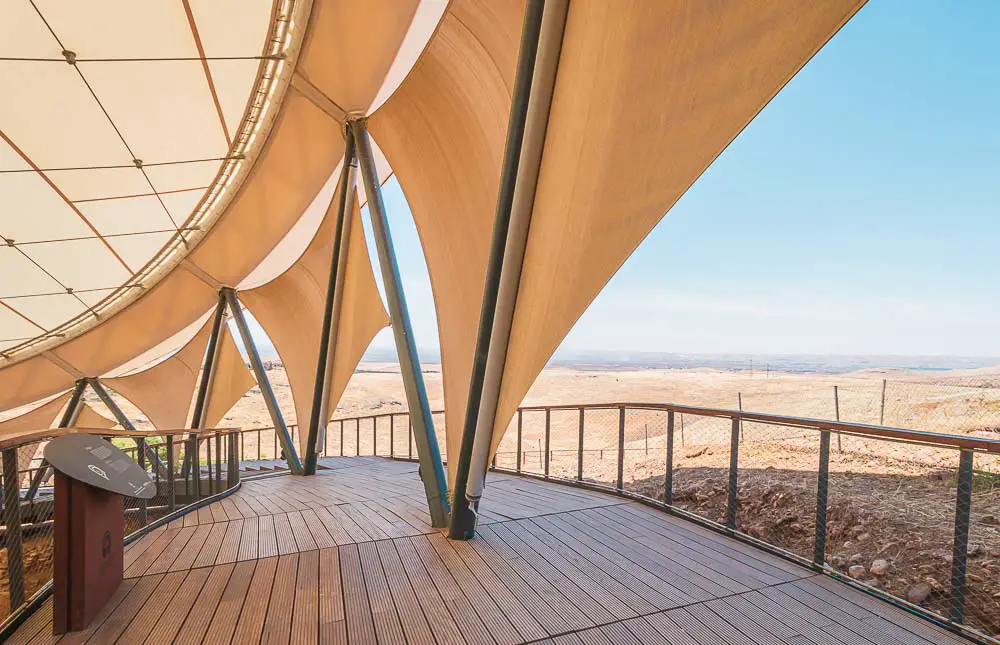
x: 858, y: 214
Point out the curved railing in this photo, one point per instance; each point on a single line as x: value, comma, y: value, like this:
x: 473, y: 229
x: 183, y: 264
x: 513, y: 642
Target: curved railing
x: 183, y: 483
x: 907, y: 515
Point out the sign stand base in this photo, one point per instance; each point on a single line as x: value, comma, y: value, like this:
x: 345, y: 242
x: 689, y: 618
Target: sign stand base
x: 88, y: 552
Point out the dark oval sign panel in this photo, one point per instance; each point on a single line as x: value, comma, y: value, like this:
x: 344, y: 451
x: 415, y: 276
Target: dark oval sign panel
x: 96, y: 462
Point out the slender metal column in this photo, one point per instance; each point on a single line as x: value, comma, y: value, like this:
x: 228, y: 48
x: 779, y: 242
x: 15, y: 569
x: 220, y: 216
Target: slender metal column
x: 69, y: 417
x: 734, y: 465
x: 541, y: 41
x: 668, y: 477
x: 12, y: 521
x: 124, y: 422
x: 280, y: 429
x: 428, y: 452
x: 822, y: 495
x: 205, y: 386
x: 171, y: 492
x: 960, y: 546
x: 334, y: 304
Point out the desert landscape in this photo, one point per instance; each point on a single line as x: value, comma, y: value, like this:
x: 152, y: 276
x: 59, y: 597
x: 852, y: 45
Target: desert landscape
x: 891, y: 505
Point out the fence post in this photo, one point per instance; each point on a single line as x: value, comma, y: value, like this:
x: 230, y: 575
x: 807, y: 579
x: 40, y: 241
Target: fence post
x: 341, y: 437
x: 409, y: 437
x: 12, y: 520
x: 234, y: 463
x: 357, y: 437
x: 548, y: 439
x: 392, y: 435
x: 374, y: 436
x: 822, y: 491
x: 621, y: 449
x: 668, y: 477
x: 960, y: 547
x: 836, y: 412
x: 171, y: 493
x: 881, y: 414
x: 579, y: 452
x: 734, y: 462
x: 140, y: 450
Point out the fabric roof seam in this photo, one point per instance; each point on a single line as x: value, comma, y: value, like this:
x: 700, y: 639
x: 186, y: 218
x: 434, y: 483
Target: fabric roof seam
x: 302, y: 85
x: 201, y: 274
x: 262, y: 112
x: 63, y: 365
x: 208, y: 73
x: 62, y: 196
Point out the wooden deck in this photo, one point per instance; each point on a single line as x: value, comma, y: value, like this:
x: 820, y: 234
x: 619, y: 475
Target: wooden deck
x: 349, y: 557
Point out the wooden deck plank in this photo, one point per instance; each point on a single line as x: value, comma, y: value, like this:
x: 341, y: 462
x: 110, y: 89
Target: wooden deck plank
x: 82, y: 636
x: 278, y: 624
x: 267, y: 541
x: 200, y: 617
x: 408, y: 608
x: 173, y: 617
x: 251, y: 621
x: 384, y: 614
x: 332, y: 621
x: 358, y: 610
x: 305, y: 615
x: 228, y: 611
x: 150, y: 613
x: 230, y: 547
x: 118, y: 621
x: 210, y: 549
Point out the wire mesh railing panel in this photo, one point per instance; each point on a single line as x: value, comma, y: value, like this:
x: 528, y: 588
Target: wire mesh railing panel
x: 507, y: 454
x: 600, y: 446
x: 645, y: 452
x: 982, y: 586
x: 563, y: 443
x: 701, y: 465
x: 890, y: 521
x: 777, y: 481
x: 533, y: 451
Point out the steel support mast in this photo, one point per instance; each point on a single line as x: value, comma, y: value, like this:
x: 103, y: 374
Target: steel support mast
x: 428, y: 452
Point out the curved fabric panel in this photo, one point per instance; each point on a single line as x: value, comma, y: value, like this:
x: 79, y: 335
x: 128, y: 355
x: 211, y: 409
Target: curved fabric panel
x: 164, y: 391
x: 290, y: 308
x: 230, y: 381
x: 30, y: 422
x: 91, y: 418
x: 304, y: 147
x: 636, y: 117
x: 350, y: 47
x: 443, y: 133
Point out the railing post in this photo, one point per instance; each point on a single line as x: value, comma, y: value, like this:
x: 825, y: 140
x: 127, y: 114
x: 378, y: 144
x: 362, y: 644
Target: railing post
x: 579, y: 452
x: 357, y: 437
x: 218, y: 462
x: 668, y: 476
x: 960, y: 547
x: 195, y: 463
x: 233, y: 471
x: 409, y: 432
x: 520, y: 418
x: 392, y: 435
x: 734, y: 463
x: 171, y: 493
x: 548, y: 439
x: 341, y: 437
x: 621, y: 449
x: 140, y: 453
x: 12, y: 520
x: 822, y: 493
x: 375, y: 436
x: 208, y: 458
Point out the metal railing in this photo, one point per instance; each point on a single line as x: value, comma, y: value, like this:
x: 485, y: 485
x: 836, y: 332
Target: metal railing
x: 724, y: 468
x: 29, y: 500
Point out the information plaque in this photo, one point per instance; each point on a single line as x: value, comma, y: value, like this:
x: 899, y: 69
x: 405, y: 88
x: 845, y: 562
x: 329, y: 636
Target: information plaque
x: 92, y: 476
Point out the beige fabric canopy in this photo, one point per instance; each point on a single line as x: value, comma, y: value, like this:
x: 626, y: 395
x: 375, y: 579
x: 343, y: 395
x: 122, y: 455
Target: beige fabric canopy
x: 443, y: 133
x: 290, y: 308
x: 624, y: 144
x: 30, y: 422
x: 164, y: 391
x: 231, y: 379
x: 88, y: 417
x: 260, y: 197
